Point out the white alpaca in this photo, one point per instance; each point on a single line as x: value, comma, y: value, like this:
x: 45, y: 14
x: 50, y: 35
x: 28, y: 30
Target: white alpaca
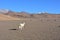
x: 21, y: 26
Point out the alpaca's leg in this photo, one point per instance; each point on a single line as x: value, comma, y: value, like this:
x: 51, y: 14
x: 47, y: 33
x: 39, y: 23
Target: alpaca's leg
x: 21, y: 28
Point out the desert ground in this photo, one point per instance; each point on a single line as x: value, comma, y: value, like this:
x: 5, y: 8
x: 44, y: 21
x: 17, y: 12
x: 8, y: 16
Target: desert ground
x: 35, y: 29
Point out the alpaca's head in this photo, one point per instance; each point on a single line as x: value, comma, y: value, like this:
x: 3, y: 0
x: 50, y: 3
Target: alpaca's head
x: 22, y: 23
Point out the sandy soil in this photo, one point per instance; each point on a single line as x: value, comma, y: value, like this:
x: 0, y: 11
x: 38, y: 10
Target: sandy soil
x: 7, y: 17
x: 35, y: 29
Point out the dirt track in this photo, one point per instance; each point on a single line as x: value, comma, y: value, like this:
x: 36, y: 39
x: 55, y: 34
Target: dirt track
x: 34, y: 30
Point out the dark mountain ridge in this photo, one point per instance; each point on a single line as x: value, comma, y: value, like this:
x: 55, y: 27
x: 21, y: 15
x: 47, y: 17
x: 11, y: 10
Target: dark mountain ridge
x: 29, y: 15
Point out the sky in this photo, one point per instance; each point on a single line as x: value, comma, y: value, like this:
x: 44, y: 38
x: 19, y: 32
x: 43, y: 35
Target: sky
x: 31, y: 6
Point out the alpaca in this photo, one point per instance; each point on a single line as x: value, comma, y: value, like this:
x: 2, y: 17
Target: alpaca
x: 21, y: 25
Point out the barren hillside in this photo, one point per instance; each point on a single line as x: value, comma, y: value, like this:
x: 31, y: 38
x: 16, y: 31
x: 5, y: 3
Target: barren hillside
x: 7, y: 17
x: 28, y: 15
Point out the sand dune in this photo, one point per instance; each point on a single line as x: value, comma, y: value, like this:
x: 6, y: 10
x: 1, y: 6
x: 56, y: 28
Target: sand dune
x: 6, y: 17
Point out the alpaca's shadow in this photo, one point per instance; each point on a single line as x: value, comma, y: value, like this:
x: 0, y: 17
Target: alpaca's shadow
x: 58, y: 26
x: 13, y: 29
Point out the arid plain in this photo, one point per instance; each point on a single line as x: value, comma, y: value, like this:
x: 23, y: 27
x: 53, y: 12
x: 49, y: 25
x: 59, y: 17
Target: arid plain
x: 38, y: 26
x: 35, y: 29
